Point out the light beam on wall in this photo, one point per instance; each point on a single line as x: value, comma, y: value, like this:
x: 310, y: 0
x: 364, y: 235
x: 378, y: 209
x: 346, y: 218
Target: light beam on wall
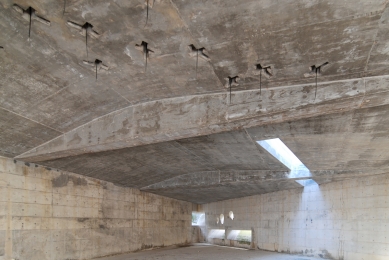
x: 282, y: 153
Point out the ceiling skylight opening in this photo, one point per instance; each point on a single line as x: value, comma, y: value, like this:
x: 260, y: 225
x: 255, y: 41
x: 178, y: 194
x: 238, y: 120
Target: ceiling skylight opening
x: 306, y: 182
x: 282, y: 153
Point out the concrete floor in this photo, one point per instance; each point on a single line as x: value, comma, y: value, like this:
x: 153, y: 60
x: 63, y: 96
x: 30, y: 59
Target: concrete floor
x: 205, y: 251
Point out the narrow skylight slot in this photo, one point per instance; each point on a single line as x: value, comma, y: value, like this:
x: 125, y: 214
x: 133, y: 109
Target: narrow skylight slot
x: 282, y: 153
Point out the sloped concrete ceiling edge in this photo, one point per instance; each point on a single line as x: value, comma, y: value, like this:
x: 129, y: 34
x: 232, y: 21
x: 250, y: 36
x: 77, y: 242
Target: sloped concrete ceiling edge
x: 183, y: 117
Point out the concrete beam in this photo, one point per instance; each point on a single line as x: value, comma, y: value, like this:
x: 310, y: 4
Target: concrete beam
x: 206, y: 187
x: 183, y: 117
x: 214, y: 178
x: 211, y: 178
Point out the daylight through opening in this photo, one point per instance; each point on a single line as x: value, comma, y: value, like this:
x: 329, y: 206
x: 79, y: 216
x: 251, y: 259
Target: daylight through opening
x: 282, y: 153
x: 198, y: 218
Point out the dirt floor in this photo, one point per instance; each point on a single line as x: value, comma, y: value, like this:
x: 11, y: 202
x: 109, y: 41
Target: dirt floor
x: 205, y: 251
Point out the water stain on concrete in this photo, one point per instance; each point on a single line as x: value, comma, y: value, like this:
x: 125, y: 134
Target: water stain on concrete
x: 63, y: 179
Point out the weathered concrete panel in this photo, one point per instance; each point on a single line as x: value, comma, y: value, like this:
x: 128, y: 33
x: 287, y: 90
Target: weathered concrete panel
x: 45, y: 78
x: 339, y: 220
x: 344, y: 141
x: 233, y: 150
x: 206, y: 187
x: 176, y: 118
x: 46, y: 214
x: 378, y: 56
x: 334, y: 146
x: 287, y: 36
x: 224, y: 191
x: 19, y: 134
x: 145, y: 165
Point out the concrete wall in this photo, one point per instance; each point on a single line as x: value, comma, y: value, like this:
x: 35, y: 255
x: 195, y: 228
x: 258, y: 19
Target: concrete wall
x: 46, y: 214
x: 339, y: 220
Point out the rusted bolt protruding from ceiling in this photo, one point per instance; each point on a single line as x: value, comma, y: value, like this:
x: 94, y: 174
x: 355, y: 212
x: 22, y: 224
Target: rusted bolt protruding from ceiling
x: 30, y: 14
x: 85, y: 30
x: 315, y: 71
x: 97, y: 64
x: 149, y: 4
x: 143, y: 47
x: 267, y: 71
x: 198, y: 52
x: 231, y: 82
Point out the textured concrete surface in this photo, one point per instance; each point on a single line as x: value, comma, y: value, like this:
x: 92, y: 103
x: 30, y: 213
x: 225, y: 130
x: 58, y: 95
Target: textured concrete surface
x: 204, y: 251
x: 339, y: 220
x: 176, y: 118
x: 226, y: 165
x: 153, y: 127
x: 144, y: 165
x: 51, y: 215
x: 157, y: 119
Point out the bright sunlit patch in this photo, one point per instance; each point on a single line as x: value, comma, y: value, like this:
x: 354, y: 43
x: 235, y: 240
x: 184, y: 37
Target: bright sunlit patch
x: 280, y: 151
x: 198, y: 218
x: 240, y: 235
x: 231, y: 215
x: 222, y: 219
x: 217, y: 233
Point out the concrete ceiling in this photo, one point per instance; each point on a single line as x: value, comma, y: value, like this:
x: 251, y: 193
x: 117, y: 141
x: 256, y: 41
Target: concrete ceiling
x: 169, y: 131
